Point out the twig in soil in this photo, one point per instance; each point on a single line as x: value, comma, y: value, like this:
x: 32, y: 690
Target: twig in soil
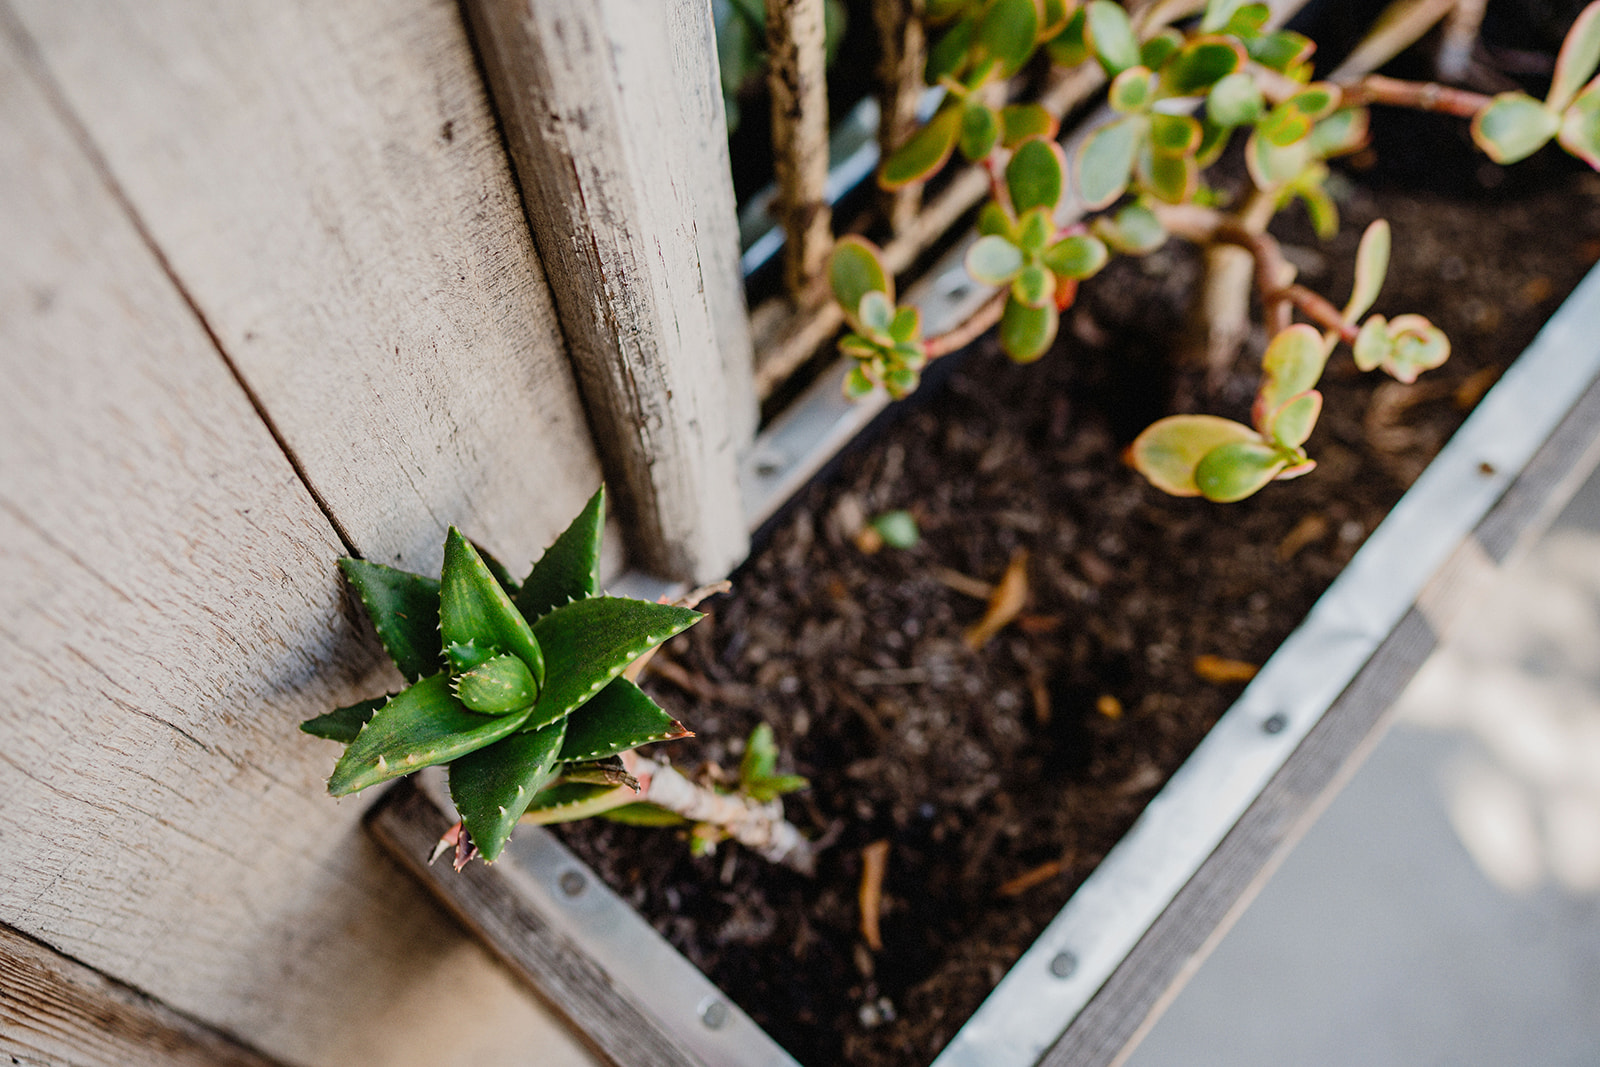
x: 1005, y: 603
x: 874, y: 864
x: 1220, y: 670
x: 1307, y: 531
x: 697, y: 685
x: 962, y: 583
x: 691, y: 599
x: 1025, y: 881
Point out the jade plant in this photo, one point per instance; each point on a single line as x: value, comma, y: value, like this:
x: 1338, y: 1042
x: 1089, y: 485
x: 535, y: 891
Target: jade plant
x: 522, y: 689
x: 1185, y: 79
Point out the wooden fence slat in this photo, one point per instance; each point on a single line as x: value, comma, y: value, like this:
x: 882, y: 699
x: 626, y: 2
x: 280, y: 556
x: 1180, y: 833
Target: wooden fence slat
x: 169, y: 610
x: 900, y: 87
x: 327, y: 184
x: 797, y: 80
x: 614, y: 117
x: 54, y: 1010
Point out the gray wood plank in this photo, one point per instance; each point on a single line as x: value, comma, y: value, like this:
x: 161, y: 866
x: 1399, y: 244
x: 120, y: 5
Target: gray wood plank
x: 54, y: 1010
x: 328, y: 186
x: 1153, y: 974
x: 169, y: 610
x: 614, y: 119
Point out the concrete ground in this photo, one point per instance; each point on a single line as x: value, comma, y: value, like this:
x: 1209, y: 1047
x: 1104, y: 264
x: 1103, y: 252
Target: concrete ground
x: 1445, y: 910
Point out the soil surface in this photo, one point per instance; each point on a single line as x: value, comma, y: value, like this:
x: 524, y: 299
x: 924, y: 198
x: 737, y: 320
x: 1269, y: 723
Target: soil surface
x: 1000, y: 777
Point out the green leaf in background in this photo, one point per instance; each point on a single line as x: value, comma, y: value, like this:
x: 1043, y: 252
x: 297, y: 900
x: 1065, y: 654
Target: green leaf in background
x: 1218, y: 14
x: 854, y: 270
x: 1154, y: 52
x: 404, y: 609
x: 876, y: 315
x: 1281, y: 51
x: 1109, y: 33
x: 1033, y: 286
x: 1201, y: 64
x: 1021, y: 121
x: 589, y: 642
x: 1076, y: 256
x: 1580, y: 127
x: 1272, y: 166
x: 1070, y: 47
x: 1035, y: 230
x: 1131, y: 90
x: 1514, y: 126
x: 898, y: 529
x: 420, y: 726
x: 1342, y: 132
x: 1293, y: 422
x: 619, y: 718
x: 1234, y: 471
x: 1235, y: 101
x: 950, y: 52
x: 1008, y: 32
x: 493, y: 786
x: 1105, y: 162
x: 993, y: 260
x: 569, y: 569
x: 927, y: 150
x: 1576, y: 63
x: 1170, y: 177
x: 344, y: 724
x: 980, y: 130
x: 498, y: 686
x: 1372, y: 266
x: 473, y: 607
x: 1034, y: 175
x: 1026, y: 332
x: 1134, y: 230
x: 1169, y: 450
x: 1174, y: 134
x: 1292, y: 364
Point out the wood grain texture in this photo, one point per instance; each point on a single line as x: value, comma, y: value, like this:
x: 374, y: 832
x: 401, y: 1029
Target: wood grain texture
x: 797, y: 81
x: 614, y: 118
x: 53, y: 1010
x: 327, y: 183
x: 169, y: 610
x: 904, y: 39
x: 408, y: 824
x: 1150, y: 978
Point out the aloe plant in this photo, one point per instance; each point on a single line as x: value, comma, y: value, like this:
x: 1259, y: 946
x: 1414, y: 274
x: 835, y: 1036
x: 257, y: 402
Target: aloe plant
x: 1177, y: 97
x: 519, y: 687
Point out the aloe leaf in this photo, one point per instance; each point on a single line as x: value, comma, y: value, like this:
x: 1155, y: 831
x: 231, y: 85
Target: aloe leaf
x: 474, y: 608
x: 993, y: 260
x: 571, y: 801
x: 498, y: 686
x: 344, y: 724
x: 1580, y: 126
x: 589, y: 642
x: 1231, y: 472
x: 493, y: 786
x: 420, y: 726
x: 642, y: 814
x: 1026, y: 332
x: 1105, y: 162
x: 1372, y: 265
x: 854, y: 270
x: 1168, y: 451
x: 404, y: 609
x: 1034, y: 175
x: 1514, y: 126
x: 927, y: 150
x: 620, y: 718
x: 1110, y: 34
x: 570, y: 568
x: 1576, y: 63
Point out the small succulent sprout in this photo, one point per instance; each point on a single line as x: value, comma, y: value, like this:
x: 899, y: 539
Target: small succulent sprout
x: 1169, y: 451
x: 898, y: 529
x: 758, y: 770
x: 886, y: 341
x: 1514, y: 125
x: 1134, y: 230
x: 1292, y: 364
x: 1109, y: 35
x: 506, y: 701
x: 1404, y: 346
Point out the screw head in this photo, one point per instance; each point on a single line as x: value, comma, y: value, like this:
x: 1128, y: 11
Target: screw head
x: 1275, y: 723
x: 1064, y: 965
x: 713, y: 1013
x: 572, y: 883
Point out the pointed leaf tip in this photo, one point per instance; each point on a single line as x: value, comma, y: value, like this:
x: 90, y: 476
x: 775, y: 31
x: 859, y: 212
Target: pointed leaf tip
x: 475, y: 609
x: 570, y: 568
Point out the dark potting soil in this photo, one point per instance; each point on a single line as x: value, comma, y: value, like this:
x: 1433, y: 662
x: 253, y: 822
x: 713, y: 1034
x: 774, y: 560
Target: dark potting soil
x: 1000, y: 777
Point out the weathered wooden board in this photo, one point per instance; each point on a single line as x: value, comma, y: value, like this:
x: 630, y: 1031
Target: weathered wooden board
x: 328, y: 186
x: 53, y: 1010
x: 614, y: 119
x: 168, y: 611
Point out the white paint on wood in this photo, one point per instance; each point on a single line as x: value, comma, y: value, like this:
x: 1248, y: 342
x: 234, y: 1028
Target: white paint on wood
x: 169, y: 610
x: 614, y: 118
x: 328, y: 185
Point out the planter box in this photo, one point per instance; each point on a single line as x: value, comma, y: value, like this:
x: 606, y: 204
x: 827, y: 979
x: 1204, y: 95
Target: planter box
x: 1097, y: 974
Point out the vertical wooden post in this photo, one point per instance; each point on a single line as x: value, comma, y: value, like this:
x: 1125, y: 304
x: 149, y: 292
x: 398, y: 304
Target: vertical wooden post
x: 614, y: 120
x: 798, y: 82
x: 900, y: 85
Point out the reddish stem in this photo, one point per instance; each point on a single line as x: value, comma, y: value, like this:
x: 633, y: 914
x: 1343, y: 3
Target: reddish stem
x: 1421, y: 96
x: 968, y: 331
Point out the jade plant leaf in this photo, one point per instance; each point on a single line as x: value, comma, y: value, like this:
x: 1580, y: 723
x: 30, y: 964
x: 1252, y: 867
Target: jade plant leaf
x: 993, y: 260
x: 1293, y: 422
x: 1292, y: 364
x: 1008, y: 32
x: 1218, y: 14
x: 1233, y: 471
x: 1405, y: 346
x: 589, y: 642
x: 1034, y: 175
x: 1026, y: 332
x: 344, y: 724
x: 1033, y: 286
x: 1158, y: 49
x: 1272, y: 165
x: 1035, y: 230
x: 927, y: 150
x: 1372, y: 265
x: 1169, y: 177
x: 1342, y: 132
x: 1201, y: 64
x: 1577, y: 60
x: 493, y: 786
x: 570, y: 568
x: 1169, y: 450
x: 1235, y: 100
x: 1580, y: 127
x: 854, y: 270
x: 1110, y: 34
x: 404, y: 609
x: 1281, y: 51
x: 1178, y: 134
x: 1134, y: 230
x: 620, y: 717
x: 1070, y: 47
x: 498, y: 686
x: 420, y: 726
x: 1105, y: 162
x: 1514, y: 126
x: 1131, y: 90
x: 473, y: 607
x: 1021, y: 121
x: 1076, y: 256
x: 980, y: 130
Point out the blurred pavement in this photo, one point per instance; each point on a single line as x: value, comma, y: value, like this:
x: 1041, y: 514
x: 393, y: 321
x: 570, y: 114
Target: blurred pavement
x: 1445, y: 910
